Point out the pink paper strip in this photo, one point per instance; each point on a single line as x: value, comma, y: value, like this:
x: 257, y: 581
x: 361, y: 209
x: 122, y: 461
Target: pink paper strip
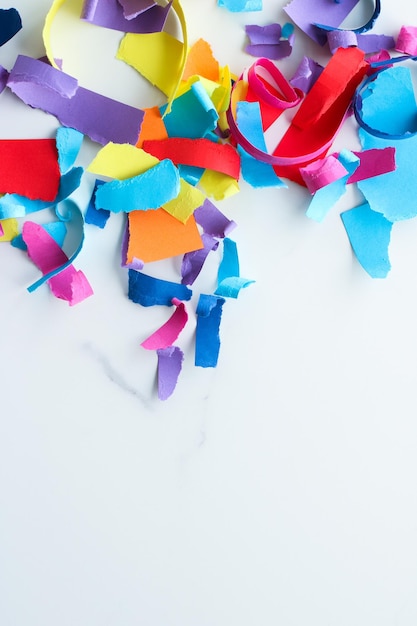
x: 168, y: 332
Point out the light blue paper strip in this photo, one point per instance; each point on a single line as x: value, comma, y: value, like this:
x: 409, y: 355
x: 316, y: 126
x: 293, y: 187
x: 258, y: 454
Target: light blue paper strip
x: 192, y: 114
x: 68, y: 143
x: 369, y: 235
x: 241, y: 5
x: 255, y: 172
x: 229, y: 281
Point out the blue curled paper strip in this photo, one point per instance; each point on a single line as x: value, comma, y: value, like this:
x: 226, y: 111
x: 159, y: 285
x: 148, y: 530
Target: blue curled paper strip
x: 71, y: 208
x: 361, y: 29
x: 381, y: 66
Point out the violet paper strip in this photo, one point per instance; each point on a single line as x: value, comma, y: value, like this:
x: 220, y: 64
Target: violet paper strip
x: 103, y: 119
x: 169, y: 368
x: 109, y: 14
x: 305, y: 14
x: 133, y: 8
x: 268, y: 41
x: 213, y: 221
x: 193, y: 262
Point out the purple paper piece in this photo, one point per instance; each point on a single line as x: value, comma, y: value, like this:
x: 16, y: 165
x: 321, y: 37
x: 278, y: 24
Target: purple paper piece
x: 306, y: 74
x: 271, y: 33
x: 305, y: 13
x: 212, y: 221
x: 341, y: 39
x: 169, y: 368
x: 133, y: 8
x: 109, y: 14
x: 103, y: 119
x: 4, y: 77
x: 277, y: 51
x: 192, y: 262
x: 375, y: 43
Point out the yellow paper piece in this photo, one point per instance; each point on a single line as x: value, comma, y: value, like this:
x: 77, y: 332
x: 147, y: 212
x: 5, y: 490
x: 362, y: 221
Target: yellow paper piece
x: 121, y: 161
x: 217, y: 185
x: 157, y: 56
x: 46, y: 33
x: 10, y: 229
x: 187, y: 201
x: 156, y: 235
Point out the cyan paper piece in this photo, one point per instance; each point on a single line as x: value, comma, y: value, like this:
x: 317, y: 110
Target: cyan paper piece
x: 207, y: 344
x: 389, y: 105
x: 93, y: 215
x: 68, y: 143
x: 213, y: 221
x: 240, y: 5
x: 229, y: 281
x: 13, y: 205
x: 150, y: 190
x: 10, y: 24
x: 57, y: 230
x: 255, y: 172
x: 192, y: 114
x: 148, y: 291
x: 169, y: 368
x: 326, y: 197
x: 369, y: 235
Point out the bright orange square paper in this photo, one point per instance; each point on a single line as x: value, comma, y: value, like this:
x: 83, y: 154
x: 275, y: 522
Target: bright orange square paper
x: 156, y: 235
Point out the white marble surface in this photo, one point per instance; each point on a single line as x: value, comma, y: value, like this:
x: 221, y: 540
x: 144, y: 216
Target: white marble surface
x: 276, y: 489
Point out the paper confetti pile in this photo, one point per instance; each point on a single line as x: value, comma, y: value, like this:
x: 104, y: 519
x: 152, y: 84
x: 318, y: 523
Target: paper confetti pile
x: 165, y: 167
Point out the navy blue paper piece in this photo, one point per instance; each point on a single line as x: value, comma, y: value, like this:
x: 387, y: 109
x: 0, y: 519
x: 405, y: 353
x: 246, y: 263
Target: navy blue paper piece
x: 147, y: 290
x: 10, y: 24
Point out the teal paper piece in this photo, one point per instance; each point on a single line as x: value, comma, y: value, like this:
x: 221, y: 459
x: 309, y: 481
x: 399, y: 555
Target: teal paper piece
x: 68, y: 143
x: 229, y: 281
x: 150, y: 190
x: 241, y: 5
x: 256, y: 173
x: 369, y: 235
x: 326, y: 197
x: 192, y: 114
x: 390, y: 106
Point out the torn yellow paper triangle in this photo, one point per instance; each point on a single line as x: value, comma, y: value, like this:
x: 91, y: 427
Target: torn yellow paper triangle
x: 121, y: 161
x: 157, y: 56
x: 187, y: 201
x: 10, y: 229
x: 218, y: 185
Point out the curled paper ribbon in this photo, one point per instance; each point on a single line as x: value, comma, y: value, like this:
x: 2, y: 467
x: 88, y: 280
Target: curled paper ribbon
x: 67, y: 216
x: 380, y: 66
x: 175, y: 6
x: 361, y: 29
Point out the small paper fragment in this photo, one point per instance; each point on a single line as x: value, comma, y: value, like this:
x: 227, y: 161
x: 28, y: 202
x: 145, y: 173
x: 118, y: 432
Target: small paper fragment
x: 207, y: 346
x: 149, y: 291
x: 169, y: 368
x: 168, y: 333
x: 369, y: 235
